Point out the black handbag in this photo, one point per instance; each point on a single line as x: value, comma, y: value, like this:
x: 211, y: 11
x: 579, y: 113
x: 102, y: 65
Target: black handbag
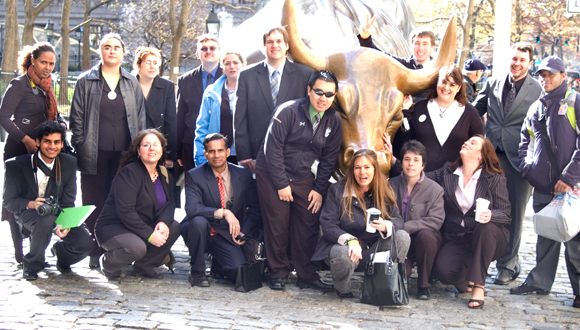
x: 250, y: 273
x: 385, y: 284
x: 249, y: 276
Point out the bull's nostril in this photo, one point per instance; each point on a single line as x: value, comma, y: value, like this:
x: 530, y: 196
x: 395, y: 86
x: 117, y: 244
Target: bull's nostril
x: 348, y: 153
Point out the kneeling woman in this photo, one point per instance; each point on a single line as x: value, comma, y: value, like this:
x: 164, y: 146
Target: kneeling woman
x: 345, y: 240
x: 137, y: 223
x: 470, y: 244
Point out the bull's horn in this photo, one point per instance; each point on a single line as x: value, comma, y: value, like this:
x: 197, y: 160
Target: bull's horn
x: 415, y: 81
x: 300, y: 53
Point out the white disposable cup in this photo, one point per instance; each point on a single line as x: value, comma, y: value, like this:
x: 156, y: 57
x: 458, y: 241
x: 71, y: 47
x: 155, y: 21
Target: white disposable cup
x: 481, y: 204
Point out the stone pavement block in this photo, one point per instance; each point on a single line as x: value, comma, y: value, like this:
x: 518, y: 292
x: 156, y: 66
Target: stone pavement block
x: 369, y: 325
x: 560, y: 319
x: 176, y: 327
x: 210, y: 325
x: 276, y: 321
x: 90, y: 315
x: 256, y: 324
x: 545, y: 325
x: 69, y: 308
x: 98, y: 322
x: 111, y: 310
x: 125, y: 317
x: 16, y: 326
x: 54, y: 324
x: 132, y: 324
x: 338, y: 321
x: 93, y: 327
x: 365, y: 317
x: 55, y: 317
x: 168, y: 318
x: 540, y: 312
x: 303, y: 318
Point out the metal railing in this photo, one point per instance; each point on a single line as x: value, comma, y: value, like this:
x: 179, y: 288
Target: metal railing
x: 63, y: 88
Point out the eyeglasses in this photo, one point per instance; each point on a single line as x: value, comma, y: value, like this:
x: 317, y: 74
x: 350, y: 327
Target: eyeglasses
x: 108, y: 48
x: 156, y: 145
x: 151, y: 63
x: 320, y: 93
x: 205, y: 49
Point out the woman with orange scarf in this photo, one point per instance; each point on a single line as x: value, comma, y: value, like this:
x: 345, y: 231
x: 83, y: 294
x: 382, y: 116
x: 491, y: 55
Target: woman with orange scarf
x: 31, y: 100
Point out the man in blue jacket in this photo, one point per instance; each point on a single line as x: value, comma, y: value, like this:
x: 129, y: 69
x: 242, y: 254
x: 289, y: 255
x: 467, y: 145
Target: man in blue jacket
x: 546, y: 175
x: 300, y: 132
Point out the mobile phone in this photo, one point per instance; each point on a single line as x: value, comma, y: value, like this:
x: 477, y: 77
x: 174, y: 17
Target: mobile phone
x: 374, y: 218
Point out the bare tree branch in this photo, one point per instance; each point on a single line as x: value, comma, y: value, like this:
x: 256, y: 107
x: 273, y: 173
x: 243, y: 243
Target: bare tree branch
x: 99, y: 4
x: 225, y: 3
x: 113, y: 26
x: 433, y: 20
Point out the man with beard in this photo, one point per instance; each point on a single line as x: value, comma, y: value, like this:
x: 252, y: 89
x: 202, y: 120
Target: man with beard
x: 506, y: 101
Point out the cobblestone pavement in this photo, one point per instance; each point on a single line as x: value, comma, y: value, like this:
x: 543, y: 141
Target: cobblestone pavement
x: 84, y: 299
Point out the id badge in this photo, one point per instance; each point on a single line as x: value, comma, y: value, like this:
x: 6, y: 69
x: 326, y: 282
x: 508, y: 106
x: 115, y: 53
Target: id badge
x: 562, y: 109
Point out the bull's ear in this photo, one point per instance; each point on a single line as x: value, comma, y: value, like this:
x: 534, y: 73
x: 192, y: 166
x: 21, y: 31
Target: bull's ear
x: 416, y: 81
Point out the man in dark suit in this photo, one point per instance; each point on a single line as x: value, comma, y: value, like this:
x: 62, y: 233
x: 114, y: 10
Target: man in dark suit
x: 29, y: 179
x: 261, y: 88
x: 190, y: 89
x: 506, y: 101
x: 221, y: 202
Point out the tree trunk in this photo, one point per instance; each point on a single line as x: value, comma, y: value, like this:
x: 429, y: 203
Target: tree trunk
x: 31, y: 12
x: 466, y: 34
x: 65, y: 33
x: 86, y: 35
x: 175, y: 54
x: 11, y: 45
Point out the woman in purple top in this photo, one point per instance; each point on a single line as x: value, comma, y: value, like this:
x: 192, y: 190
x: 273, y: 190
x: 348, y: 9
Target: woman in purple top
x: 136, y: 224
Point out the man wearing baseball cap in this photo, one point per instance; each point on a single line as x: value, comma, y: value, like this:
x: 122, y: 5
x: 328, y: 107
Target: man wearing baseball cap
x: 550, y: 160
x: 472, y: 71
x: 506, y: 100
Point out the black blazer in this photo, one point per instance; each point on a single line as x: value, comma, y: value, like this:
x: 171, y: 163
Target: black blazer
x: 254, y: 107
x: 189, y: 96
x: 202, y: 198
x: 20, y: 185
x: 132, y: 204
x: 489, y: 186
x: 161, y: 112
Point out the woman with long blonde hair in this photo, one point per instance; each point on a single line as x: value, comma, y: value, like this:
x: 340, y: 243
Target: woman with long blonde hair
x: 346, y: 238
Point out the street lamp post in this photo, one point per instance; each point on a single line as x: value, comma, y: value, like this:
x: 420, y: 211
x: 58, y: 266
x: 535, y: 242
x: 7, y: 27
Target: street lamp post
x: 79, y: 33
x: 212, y: 23
x: 49, y: 30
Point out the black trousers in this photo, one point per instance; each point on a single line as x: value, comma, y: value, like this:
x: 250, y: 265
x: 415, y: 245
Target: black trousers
x: 289, y: 224
x: 519, y: 190
x: 466, y: 261
x: 14, y: 148
x: 187, y: 156
x: 95, y: 189
x: 126, y: 248
x: 548, y: 254
x: 197, y: 238
x: 424, y: 247
x: 73, y: 248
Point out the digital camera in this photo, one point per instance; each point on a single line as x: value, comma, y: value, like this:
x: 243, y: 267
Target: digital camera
x: 49, y: 207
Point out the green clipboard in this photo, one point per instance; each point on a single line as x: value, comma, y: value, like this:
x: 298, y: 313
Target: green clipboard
x: 72, y: 217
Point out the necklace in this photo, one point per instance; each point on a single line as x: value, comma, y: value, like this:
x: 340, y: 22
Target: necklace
x: 154, y: 176
x: 442, y: 110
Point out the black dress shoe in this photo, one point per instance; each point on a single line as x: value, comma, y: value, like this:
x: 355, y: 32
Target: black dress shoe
x: 277, y: 283
x: 504, y: 278
x: 344, y: 295
x: 576, y: 302
x: 59, y: 267
x: 316, y: 285
x: 423, y: 294
x: 525, y: 288
x: 196, y: 278
x: 94, y: 262
x: 29, y: 274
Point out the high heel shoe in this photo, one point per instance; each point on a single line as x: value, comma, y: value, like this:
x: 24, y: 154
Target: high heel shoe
x: 478, y: 301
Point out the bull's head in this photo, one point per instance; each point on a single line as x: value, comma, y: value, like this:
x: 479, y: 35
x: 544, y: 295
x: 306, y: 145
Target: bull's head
x: 371, y: 88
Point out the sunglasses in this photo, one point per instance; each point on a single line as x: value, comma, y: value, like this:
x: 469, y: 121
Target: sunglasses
x: 320, y: 93
x: 205, y: 49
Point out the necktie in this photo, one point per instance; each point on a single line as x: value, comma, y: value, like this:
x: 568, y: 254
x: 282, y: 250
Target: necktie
x: 42, y: 186
x: 222, y: 190
x: 275, y: 85
x: 316, y: 123
x: 509, y: 99
x: 209, y: 80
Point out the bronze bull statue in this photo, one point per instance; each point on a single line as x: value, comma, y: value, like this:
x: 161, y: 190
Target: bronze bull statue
x: 371, y: 88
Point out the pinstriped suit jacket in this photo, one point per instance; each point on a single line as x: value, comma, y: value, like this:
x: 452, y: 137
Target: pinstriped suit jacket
x: 489, y: 186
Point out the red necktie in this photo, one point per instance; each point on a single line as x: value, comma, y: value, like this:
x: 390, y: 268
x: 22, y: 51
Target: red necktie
x: 222, y: 191
x: 222, y: 197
